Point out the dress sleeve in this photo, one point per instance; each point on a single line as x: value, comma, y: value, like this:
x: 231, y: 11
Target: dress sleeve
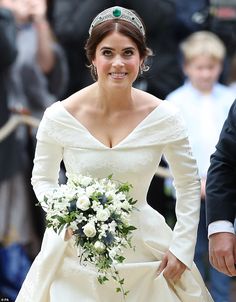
x: 187, y: 185
x: 48, y: 156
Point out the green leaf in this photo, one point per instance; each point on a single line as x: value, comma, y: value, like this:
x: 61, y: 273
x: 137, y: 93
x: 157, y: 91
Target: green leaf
x: 102, y: 279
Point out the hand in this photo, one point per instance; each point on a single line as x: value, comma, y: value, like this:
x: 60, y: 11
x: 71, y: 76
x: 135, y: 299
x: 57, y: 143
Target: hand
x: 203, y: 188
x: 19, y: 8
x: 222, y: 252
x: 38, y: 9
x: 9, y: 4
x: 171, y: 266
x: 69, y: 233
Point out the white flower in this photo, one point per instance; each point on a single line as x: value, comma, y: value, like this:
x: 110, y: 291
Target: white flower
x: 85, y: 181
x: 99, y: 246
x: 83, y: 203
x: 103, y: 215
x: 113, y: 252
x: 125, y: 218
x: 90, y: 190
x: 96, y: 205
x: 121, y: 196
x: 112, y: 226
x: 89, y: 229
x: 126, y: 205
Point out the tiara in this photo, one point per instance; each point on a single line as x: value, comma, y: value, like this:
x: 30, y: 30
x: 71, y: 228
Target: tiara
x: 117, y: 12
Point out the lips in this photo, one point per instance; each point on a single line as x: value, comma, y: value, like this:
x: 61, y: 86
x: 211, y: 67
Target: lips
x: 118, y: 75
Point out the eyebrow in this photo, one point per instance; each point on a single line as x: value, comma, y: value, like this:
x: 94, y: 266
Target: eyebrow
x: 110, y: 48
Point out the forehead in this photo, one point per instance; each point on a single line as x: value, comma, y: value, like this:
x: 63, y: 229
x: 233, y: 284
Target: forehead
x: 203, y: 60
x: 116, y: 40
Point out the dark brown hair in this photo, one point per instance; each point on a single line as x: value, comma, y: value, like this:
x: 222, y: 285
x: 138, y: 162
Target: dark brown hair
x: 100, y: 31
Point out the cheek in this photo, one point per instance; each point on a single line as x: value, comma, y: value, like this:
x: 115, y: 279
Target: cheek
x: 102, y: 65
x: 134, y: 64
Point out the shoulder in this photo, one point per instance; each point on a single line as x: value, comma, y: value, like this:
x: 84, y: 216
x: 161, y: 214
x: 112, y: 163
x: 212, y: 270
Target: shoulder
x: 172, y: 111
x: 79, y: 99
x: 232, y: 115
x: 179, y: 93
x: 226, y: 91
x: 146, y: 99
x: 52, y: 111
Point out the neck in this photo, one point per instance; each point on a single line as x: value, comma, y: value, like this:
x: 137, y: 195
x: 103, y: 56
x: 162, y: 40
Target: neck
x: 113, y: 99
x: 204, y: 90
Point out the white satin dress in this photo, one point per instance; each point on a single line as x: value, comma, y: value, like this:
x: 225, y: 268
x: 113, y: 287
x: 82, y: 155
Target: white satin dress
x: 56, y: 274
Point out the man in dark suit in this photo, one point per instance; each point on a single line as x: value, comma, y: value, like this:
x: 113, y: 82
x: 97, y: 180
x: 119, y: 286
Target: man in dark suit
x: 221, y: 199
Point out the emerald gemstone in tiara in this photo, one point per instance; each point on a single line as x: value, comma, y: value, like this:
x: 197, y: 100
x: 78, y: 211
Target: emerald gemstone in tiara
x: 116, y: 12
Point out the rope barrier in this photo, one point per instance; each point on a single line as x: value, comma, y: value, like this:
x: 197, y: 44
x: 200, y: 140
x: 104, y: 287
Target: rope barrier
x: 13, y: 123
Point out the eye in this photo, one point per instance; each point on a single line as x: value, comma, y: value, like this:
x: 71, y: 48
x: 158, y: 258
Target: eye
x: 107, y: 53
x: 128, y: 52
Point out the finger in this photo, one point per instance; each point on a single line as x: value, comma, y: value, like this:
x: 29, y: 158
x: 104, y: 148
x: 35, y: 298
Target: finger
x: 162, y: 266
x: 214, y: 262
x: 229, y: 262
x: 221, y: 265
x: 173, y: 274
x: 234, y: 251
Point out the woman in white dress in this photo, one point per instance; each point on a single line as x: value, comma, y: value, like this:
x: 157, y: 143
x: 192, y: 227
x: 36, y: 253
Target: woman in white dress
x: 112, y: 128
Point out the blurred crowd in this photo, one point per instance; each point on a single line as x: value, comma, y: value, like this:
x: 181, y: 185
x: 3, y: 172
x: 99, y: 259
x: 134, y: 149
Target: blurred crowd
x: 42, y: 60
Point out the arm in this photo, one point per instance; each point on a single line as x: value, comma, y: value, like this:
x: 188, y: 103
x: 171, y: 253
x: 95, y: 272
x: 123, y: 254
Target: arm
x: 221, y: 199
x: 45, y: 55
x: 187, y: 184
x: 48, y: 156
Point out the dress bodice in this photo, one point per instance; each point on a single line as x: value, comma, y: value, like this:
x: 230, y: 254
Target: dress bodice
x: 134, y: 159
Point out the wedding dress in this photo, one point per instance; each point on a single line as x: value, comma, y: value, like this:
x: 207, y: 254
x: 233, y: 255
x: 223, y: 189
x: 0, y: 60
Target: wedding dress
x: 56, y: 274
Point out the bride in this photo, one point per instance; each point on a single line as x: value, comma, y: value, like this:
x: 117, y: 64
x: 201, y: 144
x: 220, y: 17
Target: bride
x: 108, y: 128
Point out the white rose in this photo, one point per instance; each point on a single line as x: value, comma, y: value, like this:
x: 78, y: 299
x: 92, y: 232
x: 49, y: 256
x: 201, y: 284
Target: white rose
x: 99, y: 246
x: 83, y: 203
x: 85, y: 181
x: 89, y: 229
x: 90, y: 190
x: 103, y: 215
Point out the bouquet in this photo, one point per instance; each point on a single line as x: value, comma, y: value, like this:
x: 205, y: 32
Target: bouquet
x: 98, y: 213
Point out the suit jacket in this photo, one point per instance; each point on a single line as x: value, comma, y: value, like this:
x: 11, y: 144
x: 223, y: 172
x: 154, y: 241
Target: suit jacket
x: 221, y: 177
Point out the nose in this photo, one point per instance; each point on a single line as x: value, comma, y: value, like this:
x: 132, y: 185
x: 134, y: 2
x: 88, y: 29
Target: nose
x: 117, y: 62
x: 206, y: 73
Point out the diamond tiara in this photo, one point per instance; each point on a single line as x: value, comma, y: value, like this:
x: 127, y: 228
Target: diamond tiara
x: 117, y: 12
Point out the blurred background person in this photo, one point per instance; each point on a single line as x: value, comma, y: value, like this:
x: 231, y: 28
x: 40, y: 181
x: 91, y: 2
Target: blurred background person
x: 204, y: 103
x: 15, y: 231
x: 37, y: 77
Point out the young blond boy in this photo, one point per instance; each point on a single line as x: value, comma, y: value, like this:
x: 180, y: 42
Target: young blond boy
x: 204, y: 103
